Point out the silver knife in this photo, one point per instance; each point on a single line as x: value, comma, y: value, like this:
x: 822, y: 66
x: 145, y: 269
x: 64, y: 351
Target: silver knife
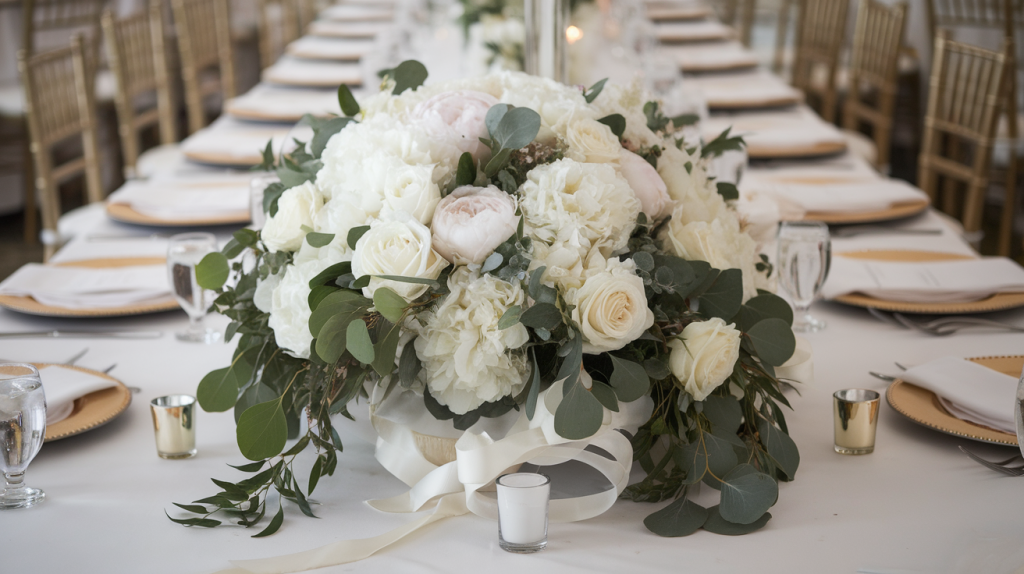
x: 83, y: 334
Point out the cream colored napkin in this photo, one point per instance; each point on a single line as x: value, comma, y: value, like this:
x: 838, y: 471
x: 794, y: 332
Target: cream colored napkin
x: 315, y: 47
x: 241, y: 141
x: 62, y: 386
x: 925, y: 282
x: 334, y: 29
x: 721, y: 55
x: 187, y: 198
x: 355, y: 13
x: 88, y: 288
x: 743, y: 89
x: 847, y: 197
x: 969, y: 391
x: 294, y: 72
x: 776, y: 130
x: 692, y: 31
x: 281, y: 103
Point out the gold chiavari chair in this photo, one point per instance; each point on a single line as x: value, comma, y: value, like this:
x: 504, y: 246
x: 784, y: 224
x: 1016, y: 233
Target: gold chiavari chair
x: 783, y: 20
x: 874, y: 73
x: 1004, y: 17
x: 135, y: 46
x: 278, y: 25
x: 60, y: 105
x: 965, y: 89
x: 820, y: 33
x: 739, y: 14
x: 204, y: 44
x: 307, y: 11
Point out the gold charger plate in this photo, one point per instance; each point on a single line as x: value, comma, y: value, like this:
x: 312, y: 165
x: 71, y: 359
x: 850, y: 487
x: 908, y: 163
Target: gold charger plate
x: 92, y: 410
x: 895, y: 211
x: 30, y: 306
x: 693, y: 67
x: 997, y: 302
x: 125, y: 213
x: 754, y: 102
x: 923, y: 406
x: 225, y: 159
x: 666, y: 13
x: 756, y: 151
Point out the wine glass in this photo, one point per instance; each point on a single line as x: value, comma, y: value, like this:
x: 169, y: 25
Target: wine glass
x: 22, y: 430
x: 805, y: 253
x: 184, y: 252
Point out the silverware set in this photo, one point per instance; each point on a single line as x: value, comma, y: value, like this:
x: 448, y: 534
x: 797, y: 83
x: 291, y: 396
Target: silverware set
x: 943, y: 326
x: 1013, y: 466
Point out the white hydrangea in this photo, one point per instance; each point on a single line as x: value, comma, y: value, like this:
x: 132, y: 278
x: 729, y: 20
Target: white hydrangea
x: 289, y: 307
x: 557, y: 104
x: 467, y: 361
x: 584, y: 204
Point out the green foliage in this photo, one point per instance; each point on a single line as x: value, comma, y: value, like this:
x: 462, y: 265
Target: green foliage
x: 721, y: 144
x: 591, y: 93
x: 262, y: 430
x: 408, y: 75
x: 728, y: 191
x: 212, y: 271
x: 616, y: 122
x: 680, y: 518
x: 348, y: 103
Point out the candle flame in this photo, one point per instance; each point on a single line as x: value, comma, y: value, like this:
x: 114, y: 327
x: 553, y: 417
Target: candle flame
x: 573, y: 34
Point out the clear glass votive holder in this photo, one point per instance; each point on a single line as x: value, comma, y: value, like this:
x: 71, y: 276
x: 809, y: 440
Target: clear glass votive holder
x: 856, y: 419
x: 174, y: 422
x: 523, y: 511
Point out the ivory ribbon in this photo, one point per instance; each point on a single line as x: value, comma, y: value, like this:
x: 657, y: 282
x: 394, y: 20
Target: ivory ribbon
x: 453, y: 489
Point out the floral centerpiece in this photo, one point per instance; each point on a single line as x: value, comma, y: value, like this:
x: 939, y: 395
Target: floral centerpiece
x: 511, y: 259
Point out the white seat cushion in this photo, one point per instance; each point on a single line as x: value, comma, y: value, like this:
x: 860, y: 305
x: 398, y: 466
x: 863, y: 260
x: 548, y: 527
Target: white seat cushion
x: 161, y: 158
x: 12, y: 100
x: 861, y: 146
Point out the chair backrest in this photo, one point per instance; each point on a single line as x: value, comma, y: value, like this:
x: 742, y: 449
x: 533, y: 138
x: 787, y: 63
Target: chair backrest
x: 204, y: 44
x: 996, y: 14
x: 965, y: 89
x: 307, y: 11
x: 739, y: 14
x: 820, y: 34
x: 135, y: 46
x: 874, y: 72
x: 278, y: 26
x: 40, y: 16
x: 59, y: 105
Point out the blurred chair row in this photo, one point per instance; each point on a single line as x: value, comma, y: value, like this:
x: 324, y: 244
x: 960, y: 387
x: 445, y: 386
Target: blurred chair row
x: 972, y: 92
x: 60, y: 95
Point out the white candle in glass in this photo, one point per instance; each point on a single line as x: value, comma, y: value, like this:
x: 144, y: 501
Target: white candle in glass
x: 523, y: 511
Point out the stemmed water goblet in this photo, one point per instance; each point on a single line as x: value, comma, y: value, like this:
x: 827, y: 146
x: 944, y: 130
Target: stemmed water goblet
x: 22, y: 430
x: 184, y: 252
x: 805, y: 253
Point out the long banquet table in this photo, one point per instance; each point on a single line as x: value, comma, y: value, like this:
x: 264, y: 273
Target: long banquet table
x: 915, y: 505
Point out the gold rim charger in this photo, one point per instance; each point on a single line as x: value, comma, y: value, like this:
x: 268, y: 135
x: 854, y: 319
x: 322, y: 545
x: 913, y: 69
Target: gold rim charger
x: 997, y: 302
x: 124, y: 213
x: 225, y: 159
x: 756, y: 151
x: 754, y: 102
x: 30, y: 306
x: 92, y: 410
x: 923, y: 406
x: 895, y: 211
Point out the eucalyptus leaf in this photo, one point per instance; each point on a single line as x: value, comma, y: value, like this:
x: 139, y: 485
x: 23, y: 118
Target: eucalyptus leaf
x: 194, y: 508
x: 493, y: 261
x: 593, y: 91
x: 579, y: 415
x: 315, y: 473
x: 747, y: 494
x: 347, y: 101
x: 531, y: 398
x: 408, y: 365
x: 605, y: 395
x: 616, y: 122
x: 324, y: 134
x: 493, y: 117
x: 466, y: 173
x: 389, y: 304
x: 316, y: 239
x: 718, y: 525
x: 357, y: 341
x: 202, y: 522
x: 517, y: 128
x: 773, y: 340
x: 404, y: 279
x: 354, y: 234
x: 218, y: 390
x: 342, y: 301
x: 318, y: 294
x: 724, y: 297
x: 274, y: 526
x: 728, y: 191
x: 410, y: 74
x: 725, y: 414
x: 780, y: 447
x: 510, y: 317
x: 332, y: 272
x: 542, y: 316
x: 254, y: 395
x: 262, y: 430
x: 385, y: 350
x: 249, y: 467
x: 212, y: 271
x: 681, y: 517
x: 629, y: 379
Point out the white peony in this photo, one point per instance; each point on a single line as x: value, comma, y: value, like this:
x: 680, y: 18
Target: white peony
x: 471, y: 222
x: 584, y: 204
x: 628, y: 101
x: 648, y: 186
x: 289, y: 308
x: 705, y: 356
x: 409, y: 188
x: 556, y: 103
x: 295, y: 208
x: 458, y: 115
x: 591, y: 141
x: 397, y: 245
x: 467, y: 361
x: 611, y: 307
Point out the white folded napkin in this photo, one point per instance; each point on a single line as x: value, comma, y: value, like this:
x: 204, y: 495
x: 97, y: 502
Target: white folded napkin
x: 702, y: 57
x: 743, y: 89
x: 847, y: 197
x: 187, y: 198
x: 88, y: 288
x: 969, y: 391
x: 775, y: 130
x: 692, y: 31
x: 350, y: 13
x: 924, y: 282
x: 241, y: 142
x: 334, y: 29
x: 268, y: 102
x: 315, y: 47
x: 62, y: 386
x: 294, y: 72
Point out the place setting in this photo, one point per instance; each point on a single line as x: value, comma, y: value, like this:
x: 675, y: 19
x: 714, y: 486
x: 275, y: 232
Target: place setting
x: 280, y: 104
x: 796, y: 133
x: 239, y: 144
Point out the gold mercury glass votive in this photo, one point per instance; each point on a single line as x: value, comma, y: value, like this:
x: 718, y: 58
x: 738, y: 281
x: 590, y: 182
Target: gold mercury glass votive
x: 174, y: 423
x: 856, y: 418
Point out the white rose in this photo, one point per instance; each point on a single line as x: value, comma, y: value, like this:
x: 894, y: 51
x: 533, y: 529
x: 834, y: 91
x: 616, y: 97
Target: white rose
x: 591, y: 141
x: 458, y: 114
x: 691, y: 187
x: 263, y: 297
x: 611, y: 307
x: 410, y: 189
x: 471, y: 222
x: 467, y: 360
x: 705, y: 357
x: 720, y: 242
x: 296, y: 207
x: 585, y: 204
x: 648, y: 186
x: 289, y: 308
x: 397, y: 245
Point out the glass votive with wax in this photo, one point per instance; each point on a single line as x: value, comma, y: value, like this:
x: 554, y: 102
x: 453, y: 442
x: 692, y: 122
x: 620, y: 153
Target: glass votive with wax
x: 523, y: 511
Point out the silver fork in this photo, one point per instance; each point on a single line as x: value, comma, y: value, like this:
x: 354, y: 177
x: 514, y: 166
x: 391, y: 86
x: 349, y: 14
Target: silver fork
x: 945, y: 326
x: 1000, y: 466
